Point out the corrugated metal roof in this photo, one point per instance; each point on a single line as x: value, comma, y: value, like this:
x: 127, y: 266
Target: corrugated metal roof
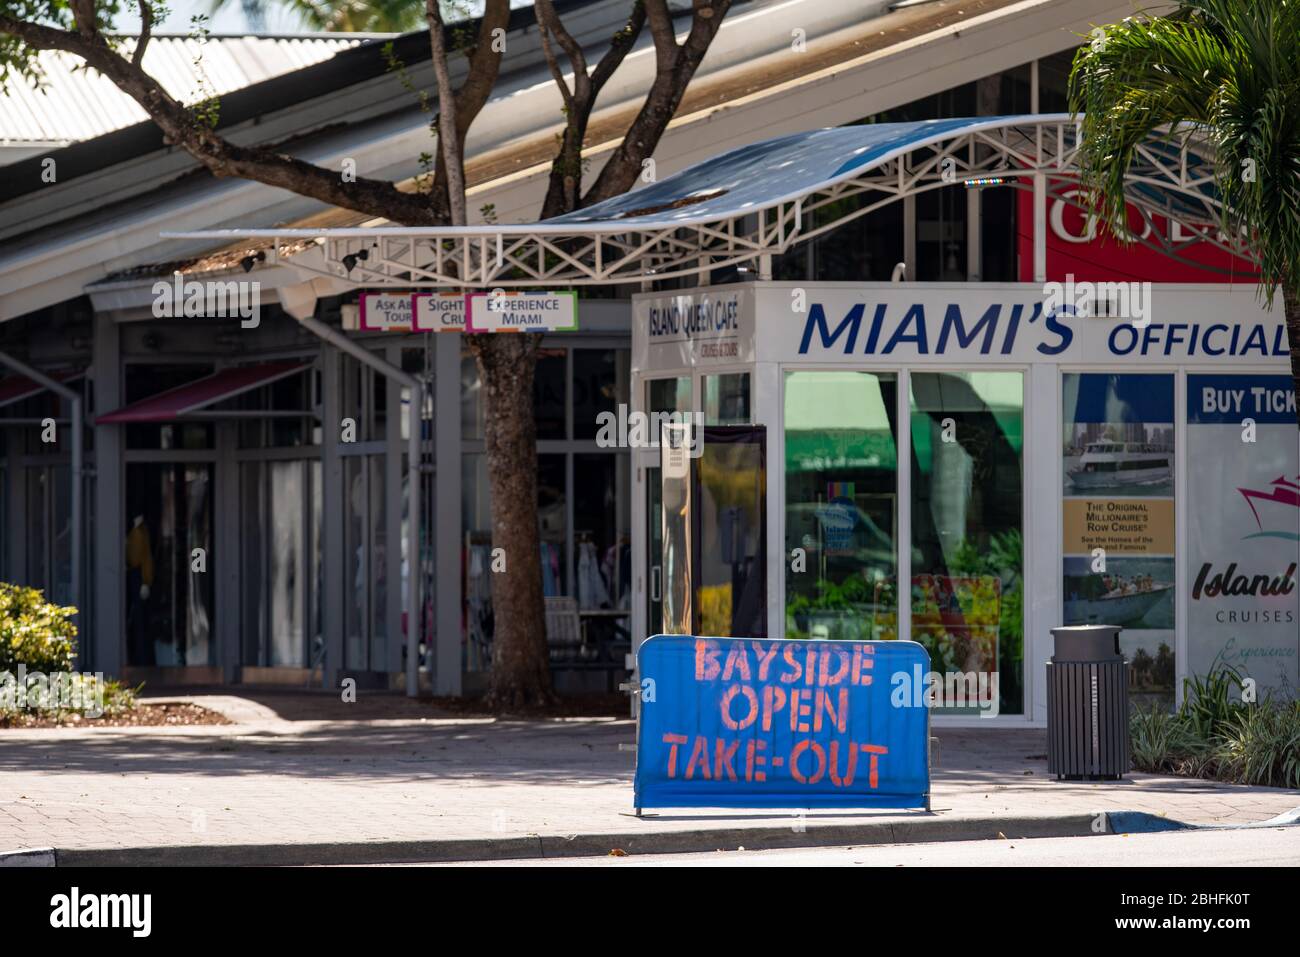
x: 74, y: 103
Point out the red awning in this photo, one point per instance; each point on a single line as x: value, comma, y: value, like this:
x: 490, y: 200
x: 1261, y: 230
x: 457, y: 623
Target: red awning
x: 15, y: 388
x: 193, y: 396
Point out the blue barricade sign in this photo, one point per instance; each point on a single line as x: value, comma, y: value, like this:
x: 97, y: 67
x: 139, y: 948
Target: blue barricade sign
x: 735, y: 722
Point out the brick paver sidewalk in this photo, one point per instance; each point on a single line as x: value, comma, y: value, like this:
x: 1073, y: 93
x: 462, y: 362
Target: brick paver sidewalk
x: 266, y: 780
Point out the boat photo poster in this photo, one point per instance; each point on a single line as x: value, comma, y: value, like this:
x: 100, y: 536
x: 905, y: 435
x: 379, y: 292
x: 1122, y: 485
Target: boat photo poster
x: 1243, y: 528
x: 1118, y: 517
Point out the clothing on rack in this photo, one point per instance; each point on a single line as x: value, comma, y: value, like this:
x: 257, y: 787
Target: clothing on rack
x: 592, y: 591
x: 550, y: 569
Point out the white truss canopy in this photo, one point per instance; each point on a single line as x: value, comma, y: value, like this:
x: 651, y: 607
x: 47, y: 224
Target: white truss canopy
x: 750, y: 204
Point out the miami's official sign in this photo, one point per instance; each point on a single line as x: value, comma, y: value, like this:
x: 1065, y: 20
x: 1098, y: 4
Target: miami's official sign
x: 735, y: 722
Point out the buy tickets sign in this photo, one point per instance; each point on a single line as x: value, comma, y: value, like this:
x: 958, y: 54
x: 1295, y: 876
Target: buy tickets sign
x: 735, y: 722
x: 496, y: 311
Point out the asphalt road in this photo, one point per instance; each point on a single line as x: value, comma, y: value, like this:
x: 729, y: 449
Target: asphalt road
x: 1253, y: 847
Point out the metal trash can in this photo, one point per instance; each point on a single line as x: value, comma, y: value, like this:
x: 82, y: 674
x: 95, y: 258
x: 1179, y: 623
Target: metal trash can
x: 1087, y: 704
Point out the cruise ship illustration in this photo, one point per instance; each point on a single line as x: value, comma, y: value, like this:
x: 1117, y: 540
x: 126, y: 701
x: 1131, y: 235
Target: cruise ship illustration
x: 1276, y: 511
x: 1112, y: 464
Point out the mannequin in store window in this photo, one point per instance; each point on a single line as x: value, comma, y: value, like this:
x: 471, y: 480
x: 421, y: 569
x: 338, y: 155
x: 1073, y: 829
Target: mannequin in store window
x: 139, y: 581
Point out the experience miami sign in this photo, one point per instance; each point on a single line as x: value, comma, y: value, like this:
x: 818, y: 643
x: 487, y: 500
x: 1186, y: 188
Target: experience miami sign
x: 495, y: 310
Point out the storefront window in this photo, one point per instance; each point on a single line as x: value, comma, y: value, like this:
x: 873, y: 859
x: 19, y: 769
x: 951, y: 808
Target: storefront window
x: 169, y: 589
x: 600, y: 378
x: 602, y: 540
x: 729, y: 498
x: 549, y: 396
x: 549, y: 393
x: 275, y: 573
x: 551, y: 522
x: 145, y: 380
x: 471, y: 399
x: 1118, y: 513
x: 364, y: 562
x: 726, y: 399
x: 967, y: 589
x: 841, y: 507
x: 669, y: 395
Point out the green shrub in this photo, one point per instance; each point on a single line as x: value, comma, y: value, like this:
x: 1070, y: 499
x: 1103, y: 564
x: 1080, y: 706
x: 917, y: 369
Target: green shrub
x: 1215, y: 734
x: 1260, y: 745
x: 40, y: 635
x: 35, y: 632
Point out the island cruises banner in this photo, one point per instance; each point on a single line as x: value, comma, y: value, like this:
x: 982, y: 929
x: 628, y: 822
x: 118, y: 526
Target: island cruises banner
x: 1243, y: 529
x: 1118, y: 516
x: 737, y: 722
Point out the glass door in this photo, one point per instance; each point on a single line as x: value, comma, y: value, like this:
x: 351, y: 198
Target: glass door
x: 654, y: 551
x: 729, y: 489
x: 967, y: 593
x: 169, y: 564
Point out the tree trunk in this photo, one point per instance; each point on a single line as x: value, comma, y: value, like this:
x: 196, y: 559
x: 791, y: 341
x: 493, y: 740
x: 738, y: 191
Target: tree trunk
x: 521, y: 671
x: 1291, y: 309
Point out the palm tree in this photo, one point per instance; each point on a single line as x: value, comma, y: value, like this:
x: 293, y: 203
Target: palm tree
x: 1229, y: 70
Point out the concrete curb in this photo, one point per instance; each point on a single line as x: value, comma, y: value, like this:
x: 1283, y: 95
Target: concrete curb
x: 34, y: 857
x: 535, y: 846
x: 1143, y: 822
x: 924, y: 829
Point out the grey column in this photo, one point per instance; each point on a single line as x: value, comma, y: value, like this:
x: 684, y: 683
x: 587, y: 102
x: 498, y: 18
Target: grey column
x: 16, y: 522
x: 224, y: 562
x: 331, y: 519
x: 393, y: 545
x: 107, y: 634
x: 447, y: 527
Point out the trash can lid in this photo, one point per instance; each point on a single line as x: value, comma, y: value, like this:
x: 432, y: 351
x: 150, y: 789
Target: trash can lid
x: 1085, y: 642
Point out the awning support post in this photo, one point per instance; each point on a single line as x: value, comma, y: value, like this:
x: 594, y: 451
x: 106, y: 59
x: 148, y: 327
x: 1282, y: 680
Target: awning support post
x: 416, y: 386
x: 77, y: 486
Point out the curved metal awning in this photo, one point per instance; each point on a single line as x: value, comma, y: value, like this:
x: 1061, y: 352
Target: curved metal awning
x: 755, y: 202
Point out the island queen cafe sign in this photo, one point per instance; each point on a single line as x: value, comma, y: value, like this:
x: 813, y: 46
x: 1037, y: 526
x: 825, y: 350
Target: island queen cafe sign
x: 496, y: 310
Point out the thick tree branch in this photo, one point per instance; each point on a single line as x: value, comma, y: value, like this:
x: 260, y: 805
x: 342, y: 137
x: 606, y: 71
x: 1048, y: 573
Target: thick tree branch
x: 448, y: 135
x: 619, y: 48
x: 83, y: 11
x: 676, y: 66
x: 484, y: 65
x: 565, y: 186
x: 218, y: 155
x: 146, y: 30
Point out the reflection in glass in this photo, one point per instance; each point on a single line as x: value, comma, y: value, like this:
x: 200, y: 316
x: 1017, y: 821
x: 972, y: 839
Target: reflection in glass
x: 363, y: 542
x: 600, y: 378
x: 169, y: 590
x: 726, y: 399
x: 551, y: 522
x: 669, y: 395
x: 285, y: 560
x: 730, y: 573
x: 967, y: 506
x: 841, y: 505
